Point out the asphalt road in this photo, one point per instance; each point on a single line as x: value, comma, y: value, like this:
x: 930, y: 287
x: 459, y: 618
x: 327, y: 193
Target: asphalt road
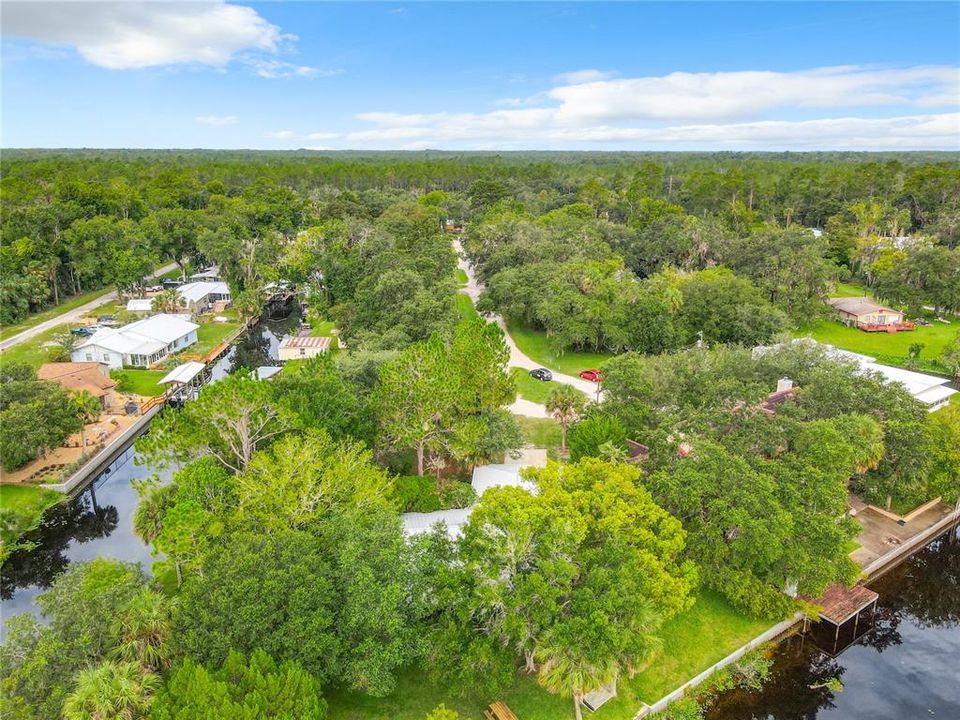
x: 517, y: 358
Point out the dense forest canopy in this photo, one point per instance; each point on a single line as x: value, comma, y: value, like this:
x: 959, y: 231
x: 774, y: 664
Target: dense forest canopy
x: 281, y: 558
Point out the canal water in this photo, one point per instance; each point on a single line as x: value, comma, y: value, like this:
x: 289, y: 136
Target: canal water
x: 906, y: 666
x: 98, y: 521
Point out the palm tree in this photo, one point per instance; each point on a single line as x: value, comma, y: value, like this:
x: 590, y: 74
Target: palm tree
x: 111, y: 691
x: 167, y: 301
x: 565, y: 403
x: 144, y: 631
x: 611, y: 452
x: 87, y: 410
x: 437, y: 464
x: 566, y: 669
x: 155, y: 500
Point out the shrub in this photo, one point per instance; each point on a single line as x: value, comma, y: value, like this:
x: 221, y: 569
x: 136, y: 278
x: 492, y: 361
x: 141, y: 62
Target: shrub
x: 416, y: 493
x: 589, y: 434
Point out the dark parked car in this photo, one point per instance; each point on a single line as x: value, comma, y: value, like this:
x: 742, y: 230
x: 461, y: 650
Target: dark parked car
x: 591, y: 375
x: 168, y: 283
x: 82, y: 331
x: 106, y: 320
x: 542, y: 374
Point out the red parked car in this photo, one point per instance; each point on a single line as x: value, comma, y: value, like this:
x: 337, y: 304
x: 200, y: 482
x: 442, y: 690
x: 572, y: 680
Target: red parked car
x: 591, y: 375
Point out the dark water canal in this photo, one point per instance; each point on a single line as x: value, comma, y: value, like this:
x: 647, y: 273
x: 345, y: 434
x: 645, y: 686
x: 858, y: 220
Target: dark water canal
x: 98, y: 521
x: 906, y: 666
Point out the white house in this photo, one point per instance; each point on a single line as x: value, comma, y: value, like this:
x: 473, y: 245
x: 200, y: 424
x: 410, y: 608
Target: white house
x: 301, y: 347
x: 198, y: 297
x: 139, y: 344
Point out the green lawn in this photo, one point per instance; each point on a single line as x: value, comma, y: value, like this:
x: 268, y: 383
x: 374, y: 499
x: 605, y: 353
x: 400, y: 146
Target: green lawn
x: 536, y: 345
x: 532, y: 389
x: 465, y: 306
x: 887, y: 348
x: 851, y: 289
x: 540, y: 432
x: 693, y: 641
x: 32, y: 351
x: 462, y: 278
x: 322, y: 328
x: 209, y: 335
x: 22, y: 506
x: 139, y: 381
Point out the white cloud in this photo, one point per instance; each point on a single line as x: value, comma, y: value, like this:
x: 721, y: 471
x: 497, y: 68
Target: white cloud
x: 743, y: 109
x: 583, y: 76
x: 129, y: 35
x: 322, y: 135
x: 282, y: 134
x: 272, y: 68
x: 217, y: 119
x: 733, y: 95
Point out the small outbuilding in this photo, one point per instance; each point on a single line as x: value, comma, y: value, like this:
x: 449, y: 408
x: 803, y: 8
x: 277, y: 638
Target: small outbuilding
x: 140, y: 305
x: 301, y: 347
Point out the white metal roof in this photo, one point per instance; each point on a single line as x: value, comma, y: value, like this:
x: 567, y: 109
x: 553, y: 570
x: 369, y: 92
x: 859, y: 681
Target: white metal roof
x: 140, y: 304
x: 191, y: 292
x: 143, y: 337
x: 183, y: 374
x: 506, y: 474
x: 265, y: 372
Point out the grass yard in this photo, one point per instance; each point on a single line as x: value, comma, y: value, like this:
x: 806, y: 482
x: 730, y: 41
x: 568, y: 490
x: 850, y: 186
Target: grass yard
x: 532, y: 389
x: 209, y: 335
x: 540, y: 432
x: 887, y: 348
x: 22, y: 506
x: 462, y: 279
x: 465, y: 306
x: 32, y: 351
x: 322, y: 328
x: 851, y: 289
x: 139, y: 381
x: 536, y: 345
x: 693, y: 641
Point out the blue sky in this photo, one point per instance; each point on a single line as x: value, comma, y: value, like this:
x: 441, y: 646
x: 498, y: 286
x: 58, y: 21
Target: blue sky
x: 681, y: 76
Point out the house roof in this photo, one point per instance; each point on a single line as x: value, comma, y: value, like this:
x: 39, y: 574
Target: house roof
x: 183, y: 374
x: 143, y: 337
x: 858, y: 306
x: 506, y: 474
x: 77, y: 376
x: 306, y: 341
x: 191, y: 292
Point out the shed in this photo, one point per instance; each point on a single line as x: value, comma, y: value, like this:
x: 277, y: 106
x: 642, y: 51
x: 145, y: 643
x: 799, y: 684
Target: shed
x: 302, y: 347
x: 140, y: 305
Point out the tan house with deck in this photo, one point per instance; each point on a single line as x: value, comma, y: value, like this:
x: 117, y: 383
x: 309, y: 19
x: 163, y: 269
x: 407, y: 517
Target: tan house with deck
x: 867, y: 315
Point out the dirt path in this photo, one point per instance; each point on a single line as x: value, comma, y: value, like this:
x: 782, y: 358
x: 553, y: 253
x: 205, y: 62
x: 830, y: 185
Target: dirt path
x: 517, y: 358
x: 71, y: 315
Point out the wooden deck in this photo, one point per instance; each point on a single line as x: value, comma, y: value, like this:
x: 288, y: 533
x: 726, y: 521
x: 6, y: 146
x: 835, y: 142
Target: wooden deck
x: 841, y: 603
